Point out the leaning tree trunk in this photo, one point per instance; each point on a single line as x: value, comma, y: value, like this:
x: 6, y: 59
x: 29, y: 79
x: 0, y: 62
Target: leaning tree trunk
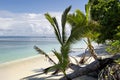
x: 91, y: 49
x: 95, y: 66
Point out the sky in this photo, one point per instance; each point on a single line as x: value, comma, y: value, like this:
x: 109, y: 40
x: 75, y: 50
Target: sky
x: 26, y: 17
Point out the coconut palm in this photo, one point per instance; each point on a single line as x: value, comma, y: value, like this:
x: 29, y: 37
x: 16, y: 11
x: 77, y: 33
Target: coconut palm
x: 87, y: 27
x: 64, y: 40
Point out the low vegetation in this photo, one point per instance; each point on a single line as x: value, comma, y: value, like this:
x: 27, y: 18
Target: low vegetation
x: 101, y: 23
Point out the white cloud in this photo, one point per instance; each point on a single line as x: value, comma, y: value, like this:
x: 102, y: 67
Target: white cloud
x: 25, y: 24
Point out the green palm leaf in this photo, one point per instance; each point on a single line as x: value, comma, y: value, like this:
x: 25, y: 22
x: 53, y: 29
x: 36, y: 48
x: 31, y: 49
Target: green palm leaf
x: 77, y: 22
x: 55, y: 26
x: 52, y: 68
x: 83, y: 27
x: 63, y: 20
x: 43, y: 53
x: 63, y: 56
x: 58, y: 55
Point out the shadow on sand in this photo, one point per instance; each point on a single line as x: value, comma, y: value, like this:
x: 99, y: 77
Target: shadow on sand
x: 100, y: 50
x: 36, y: 76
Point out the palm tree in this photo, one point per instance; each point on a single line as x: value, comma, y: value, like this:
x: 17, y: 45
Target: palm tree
x: 87, y: 27
x: 64, y: 40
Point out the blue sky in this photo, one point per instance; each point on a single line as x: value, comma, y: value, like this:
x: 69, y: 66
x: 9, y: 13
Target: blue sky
x: 26, y: 17
x: 38, y: 6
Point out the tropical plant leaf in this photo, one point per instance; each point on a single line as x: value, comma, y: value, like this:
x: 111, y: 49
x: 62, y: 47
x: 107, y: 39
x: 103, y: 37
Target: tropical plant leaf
x: 87, y: 9
x: 83, y: 26
x: 77, y: 21
x: 47, y: 70
x: 51, y: 68
x: 55, y: 26
x: 63, y: 56
x: 58, y: 55
x: 43, y: 53
x: 49, y: 18
x: 63, y: 20
x: 58, y: 34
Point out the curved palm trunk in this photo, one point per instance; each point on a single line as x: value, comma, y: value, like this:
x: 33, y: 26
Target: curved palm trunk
x: 91, y: 49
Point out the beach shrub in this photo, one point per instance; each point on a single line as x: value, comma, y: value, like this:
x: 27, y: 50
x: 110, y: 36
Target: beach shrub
x: 107, y: 13
x: 113, y: 47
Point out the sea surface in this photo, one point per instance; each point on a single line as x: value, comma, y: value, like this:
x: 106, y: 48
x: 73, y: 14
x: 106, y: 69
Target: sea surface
x: 19, y: 47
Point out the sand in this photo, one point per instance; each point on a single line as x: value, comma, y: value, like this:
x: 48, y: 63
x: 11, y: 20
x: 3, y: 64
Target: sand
x: 17, y: 70
x: 30, y: 69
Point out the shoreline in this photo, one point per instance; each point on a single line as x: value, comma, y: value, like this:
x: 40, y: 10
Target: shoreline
x: 99, y: 49
x: 30, y: 68
x: 18, y: 60
x: 23, y: 59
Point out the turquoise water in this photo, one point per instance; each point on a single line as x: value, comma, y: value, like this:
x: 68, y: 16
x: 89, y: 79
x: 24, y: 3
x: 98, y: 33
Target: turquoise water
x: 14, y: 48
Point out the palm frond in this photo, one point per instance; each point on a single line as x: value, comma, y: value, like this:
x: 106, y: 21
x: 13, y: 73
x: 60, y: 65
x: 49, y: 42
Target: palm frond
x: 81, y: 27
x: 65, y: 51
x: 93, y: 29
x: 62, y: 38
x: 49, y: 18
x: 58, y: 55
x: 58, y: 34
x: 87, y: 9
x: 51, y: 68
x: 46, y: 70
x: 55, y: 26
x: 43, y: 53
x: 76, y: 19
x: 77, y: 33
x: 63, y: 20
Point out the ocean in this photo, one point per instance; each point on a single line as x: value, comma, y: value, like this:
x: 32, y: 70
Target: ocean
x: 19, y: 47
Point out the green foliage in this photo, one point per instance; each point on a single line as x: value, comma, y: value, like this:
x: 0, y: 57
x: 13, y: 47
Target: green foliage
x: 64, y: 40
x: 107, y: 13
x: 43, y: 53
x: 110, y: 72
x: 85, y: 26
x: 113, y: 47
x: 117, y: 35
x: 79, y: 22
x: 117, y: 61
x: 55, y: 26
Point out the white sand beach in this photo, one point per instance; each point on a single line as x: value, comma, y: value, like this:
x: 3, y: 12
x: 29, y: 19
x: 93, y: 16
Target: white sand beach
x: 29, y: 69
x: 17, y: 70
